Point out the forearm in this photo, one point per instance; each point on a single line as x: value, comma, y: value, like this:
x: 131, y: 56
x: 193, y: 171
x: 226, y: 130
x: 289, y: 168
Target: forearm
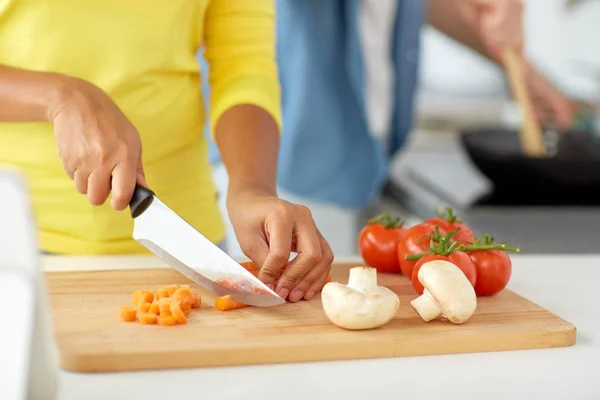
x: 446, y: 17
x: 28, y: 95
x: 248, y: 140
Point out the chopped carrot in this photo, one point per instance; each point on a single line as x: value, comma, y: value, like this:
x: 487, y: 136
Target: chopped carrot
x: 161, y: 294
x: 171, y: 289
x: 186, y: 310
x: 164, y: 307
x: 144, y: 306
x: 177, y: 313
x: 128, y: 313
x: 166, y: 320
x: 147, y: 319
x: 227, y: 302
x: 142, y: 295
x: 184, y: 296
x: 154, y: 308
x: 197, y: 300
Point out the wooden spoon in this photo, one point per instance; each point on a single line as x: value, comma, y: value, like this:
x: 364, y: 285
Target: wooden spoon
x: 532, y: 138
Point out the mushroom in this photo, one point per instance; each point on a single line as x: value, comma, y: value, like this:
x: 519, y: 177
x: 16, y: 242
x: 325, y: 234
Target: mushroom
x: 361, y: 304
x: 448, y: 293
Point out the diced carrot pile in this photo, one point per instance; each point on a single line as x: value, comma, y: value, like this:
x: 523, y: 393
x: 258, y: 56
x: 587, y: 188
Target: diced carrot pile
x: 170, y: 305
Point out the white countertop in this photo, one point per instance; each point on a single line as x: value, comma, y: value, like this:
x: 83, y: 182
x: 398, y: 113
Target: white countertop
x: 563, y: 285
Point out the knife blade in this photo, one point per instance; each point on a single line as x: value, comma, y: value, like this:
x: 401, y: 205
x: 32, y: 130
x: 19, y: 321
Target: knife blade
x: 181, y: 246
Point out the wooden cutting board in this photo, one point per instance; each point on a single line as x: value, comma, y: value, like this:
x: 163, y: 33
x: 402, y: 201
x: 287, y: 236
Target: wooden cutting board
x: 91, y: 338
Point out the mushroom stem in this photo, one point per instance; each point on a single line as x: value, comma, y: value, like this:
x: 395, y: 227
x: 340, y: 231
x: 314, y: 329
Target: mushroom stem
x: 426, y: 306
x: 362, y: 279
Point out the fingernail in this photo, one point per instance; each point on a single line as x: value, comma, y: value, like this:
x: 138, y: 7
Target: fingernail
x: 296, y: 296
x: 310, y: 294
x: 283, y: 292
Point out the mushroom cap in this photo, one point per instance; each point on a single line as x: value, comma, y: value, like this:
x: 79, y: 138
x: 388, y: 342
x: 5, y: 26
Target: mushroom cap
x: 353, y: 309
x: 450, y: 289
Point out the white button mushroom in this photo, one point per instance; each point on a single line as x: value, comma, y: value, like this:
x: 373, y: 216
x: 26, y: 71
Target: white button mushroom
x: 361, y: 304
x: 448, y: 293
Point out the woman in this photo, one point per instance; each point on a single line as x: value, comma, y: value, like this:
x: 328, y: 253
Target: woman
x: 114, y: 89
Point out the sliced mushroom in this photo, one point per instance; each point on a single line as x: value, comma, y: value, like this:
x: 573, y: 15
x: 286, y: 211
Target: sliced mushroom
x: 361, y: 304
x: 448, y: 293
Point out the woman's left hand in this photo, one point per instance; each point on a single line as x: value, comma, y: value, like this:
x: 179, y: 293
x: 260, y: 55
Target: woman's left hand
x: 268, y: 229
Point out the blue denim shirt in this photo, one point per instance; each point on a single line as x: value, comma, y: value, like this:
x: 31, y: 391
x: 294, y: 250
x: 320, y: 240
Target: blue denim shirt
x: 326, y: 150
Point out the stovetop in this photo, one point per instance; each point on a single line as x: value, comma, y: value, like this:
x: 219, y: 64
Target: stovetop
x: 435, y: 171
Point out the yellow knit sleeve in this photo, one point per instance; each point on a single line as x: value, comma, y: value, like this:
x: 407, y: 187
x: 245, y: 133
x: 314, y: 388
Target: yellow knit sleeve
x: 240, y: 52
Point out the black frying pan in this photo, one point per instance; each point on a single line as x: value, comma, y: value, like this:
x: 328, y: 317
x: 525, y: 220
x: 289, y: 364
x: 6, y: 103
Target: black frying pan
x: 569, y: 174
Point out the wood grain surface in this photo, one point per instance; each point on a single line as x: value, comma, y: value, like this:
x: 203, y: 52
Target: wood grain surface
x: 91, y: 338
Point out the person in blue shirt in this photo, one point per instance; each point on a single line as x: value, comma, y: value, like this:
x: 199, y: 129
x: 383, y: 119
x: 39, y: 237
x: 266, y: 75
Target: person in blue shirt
x: 348, y: 71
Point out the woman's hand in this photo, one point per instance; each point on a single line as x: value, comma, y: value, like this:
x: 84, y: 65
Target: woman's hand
x: 268, y: 229
x: 498, y: 23
x: 99, y: 148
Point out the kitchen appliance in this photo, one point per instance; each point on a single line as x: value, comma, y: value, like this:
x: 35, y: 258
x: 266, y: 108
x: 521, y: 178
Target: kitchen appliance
x: 176, y: 242
x: 29, y: 368
x: 295, y: 332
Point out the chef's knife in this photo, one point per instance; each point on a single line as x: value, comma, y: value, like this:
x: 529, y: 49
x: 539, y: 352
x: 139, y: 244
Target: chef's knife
x: 172, y: 239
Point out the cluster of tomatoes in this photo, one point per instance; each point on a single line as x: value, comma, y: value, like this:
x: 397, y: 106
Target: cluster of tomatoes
x: 390, y: 247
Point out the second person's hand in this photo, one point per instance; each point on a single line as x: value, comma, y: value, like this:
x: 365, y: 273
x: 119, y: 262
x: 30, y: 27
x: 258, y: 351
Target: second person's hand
x: 99, y: 147
x: 268, y: 229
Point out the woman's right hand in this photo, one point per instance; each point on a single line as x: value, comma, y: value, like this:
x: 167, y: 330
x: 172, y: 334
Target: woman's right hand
x: 99, y: 147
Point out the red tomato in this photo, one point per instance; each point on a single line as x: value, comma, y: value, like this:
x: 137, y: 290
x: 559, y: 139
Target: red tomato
x: 447, y: 222
x: 415, y: 241
x: 458, y: 258
x: 378, y: 244
x: 494, y: 269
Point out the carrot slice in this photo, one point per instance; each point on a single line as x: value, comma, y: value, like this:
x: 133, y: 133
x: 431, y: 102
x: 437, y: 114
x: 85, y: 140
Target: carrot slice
x: 164, y: 307
x: 186, y: 310
x: 147, y: 318
x: 128, y: 313
x: 227, y: 302
x: 184, y: 296
x: 161, y: 293
x: 166, y: 320
x: 154, y: 308
x: 177, y: 313
x: 197, y: 300
x: 171, y: 289
x: 144, y: 306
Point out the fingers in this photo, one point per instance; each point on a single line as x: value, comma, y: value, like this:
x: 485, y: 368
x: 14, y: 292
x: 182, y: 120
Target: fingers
x: 124, y: 177
x: 314, y: 280
x: 98, y: 186
x: 80, y: 177
x: 300, y: 270
x: 280, y: 243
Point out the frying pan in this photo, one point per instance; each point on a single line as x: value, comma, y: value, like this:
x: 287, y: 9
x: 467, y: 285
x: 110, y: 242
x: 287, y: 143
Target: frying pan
x: 569, y: 174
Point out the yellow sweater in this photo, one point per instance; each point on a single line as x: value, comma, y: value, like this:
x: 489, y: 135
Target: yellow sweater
x: 143, y: 54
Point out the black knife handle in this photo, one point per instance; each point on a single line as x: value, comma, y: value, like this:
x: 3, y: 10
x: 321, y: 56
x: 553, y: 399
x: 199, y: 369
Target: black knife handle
x: 141, y: 200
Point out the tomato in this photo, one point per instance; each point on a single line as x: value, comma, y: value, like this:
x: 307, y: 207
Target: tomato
x: 494, y: 269
x: 415, y: 241
x: 378, y: 243
x: 447, y: 222
x: 458, y: 258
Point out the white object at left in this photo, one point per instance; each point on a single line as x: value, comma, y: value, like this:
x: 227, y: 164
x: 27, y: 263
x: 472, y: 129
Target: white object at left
x: 28, y: 370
